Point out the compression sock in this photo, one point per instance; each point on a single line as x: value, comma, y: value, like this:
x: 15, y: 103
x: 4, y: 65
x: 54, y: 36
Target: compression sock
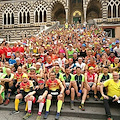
x: 26, y: 107
x: 48, y: 103
x: 29, y: 106
x: 16, y: 104
x: 40, y: 108
x: 59, y: 106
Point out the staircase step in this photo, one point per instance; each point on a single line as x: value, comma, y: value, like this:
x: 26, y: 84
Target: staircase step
x: 90, y: 112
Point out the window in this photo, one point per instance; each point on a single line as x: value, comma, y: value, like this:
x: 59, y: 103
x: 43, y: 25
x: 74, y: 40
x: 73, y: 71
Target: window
x: 40, y: 12
x: 110, y: 32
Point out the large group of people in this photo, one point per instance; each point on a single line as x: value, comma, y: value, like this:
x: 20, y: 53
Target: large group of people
x: 76, y: 61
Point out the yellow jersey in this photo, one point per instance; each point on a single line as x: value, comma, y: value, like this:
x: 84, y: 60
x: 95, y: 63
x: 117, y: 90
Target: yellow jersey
x: 113, y: 87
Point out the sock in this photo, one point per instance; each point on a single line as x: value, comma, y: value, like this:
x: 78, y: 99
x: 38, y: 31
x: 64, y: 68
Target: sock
x: 72, y: 101
x: 59, y: 105
x: 40, y: 108
x: 16, y: 104
x: 8, y: 94
x: 29, y: 106
x: 48, y: 103
x: 26, y: 107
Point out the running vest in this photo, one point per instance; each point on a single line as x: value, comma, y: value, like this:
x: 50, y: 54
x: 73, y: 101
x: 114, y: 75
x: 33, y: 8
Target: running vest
x: 78, y: 79
x: 70, y: 53
x: 104, y: 78
x: 118, y: 69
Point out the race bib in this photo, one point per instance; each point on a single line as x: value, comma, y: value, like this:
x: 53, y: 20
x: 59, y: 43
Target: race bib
x: 8, y: 53
x: 54, y: 93
x: 67, y: 84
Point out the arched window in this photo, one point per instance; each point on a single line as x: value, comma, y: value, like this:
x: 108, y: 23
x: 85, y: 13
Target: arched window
x: 40, y: 12
x: 4, y: 19
x: 109, y: 11
x: 8, y: 14
x: 44, y: 16
x: 119, y: 10
x: 12, y: 18
x: 24, y: 12
x: 28, y: 17
x: 114, y: 11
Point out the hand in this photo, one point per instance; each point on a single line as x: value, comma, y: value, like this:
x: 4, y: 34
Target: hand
x: 39, y: 100
x: 16, y: 85
x: 78, y: 94
x: 116, y: 99
x: 67, y: 92
x: 37, y: 87
x: 105, y: 96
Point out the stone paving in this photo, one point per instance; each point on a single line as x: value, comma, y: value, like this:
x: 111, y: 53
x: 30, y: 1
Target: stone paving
x: 4, y: 115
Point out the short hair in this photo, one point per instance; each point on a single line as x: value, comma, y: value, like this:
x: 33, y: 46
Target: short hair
x: 53, y: 72
x: 106, y: 67
x: 78, y: 67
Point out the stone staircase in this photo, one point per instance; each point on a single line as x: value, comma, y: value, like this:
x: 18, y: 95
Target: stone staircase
x: 93, y: 109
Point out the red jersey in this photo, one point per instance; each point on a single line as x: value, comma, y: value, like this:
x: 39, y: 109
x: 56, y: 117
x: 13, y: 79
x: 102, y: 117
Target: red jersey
x: 15, y: 49
x: 7, y: 52
x: 43, y: 58
x: 20, y: 49
x: 1, y: 52
x: 90, y: 78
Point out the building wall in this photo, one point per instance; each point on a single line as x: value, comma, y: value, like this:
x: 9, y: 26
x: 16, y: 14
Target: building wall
x: 21, y: 28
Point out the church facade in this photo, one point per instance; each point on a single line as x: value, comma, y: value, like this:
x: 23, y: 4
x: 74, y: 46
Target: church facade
x: 19, y: 19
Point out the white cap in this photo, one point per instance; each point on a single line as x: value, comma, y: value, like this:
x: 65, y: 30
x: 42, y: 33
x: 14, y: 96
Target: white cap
x: 70, y: 45
x: 38, y: 63
x: 17, y: 58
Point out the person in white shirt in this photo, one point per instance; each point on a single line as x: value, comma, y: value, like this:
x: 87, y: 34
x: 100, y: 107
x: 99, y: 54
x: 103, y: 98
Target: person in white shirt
x: 80, y: 64
x: 117, y: 48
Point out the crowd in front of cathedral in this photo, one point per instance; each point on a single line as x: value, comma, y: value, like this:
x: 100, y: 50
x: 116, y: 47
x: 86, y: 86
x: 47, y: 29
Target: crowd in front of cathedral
x: 71, y: 61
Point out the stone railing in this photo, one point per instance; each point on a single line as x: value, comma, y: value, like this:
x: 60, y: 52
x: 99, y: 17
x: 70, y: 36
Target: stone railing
x: 113, y: 19
x: 98, y: 20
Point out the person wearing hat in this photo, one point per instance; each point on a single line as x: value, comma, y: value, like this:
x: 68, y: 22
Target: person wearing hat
x: 26, y: 86
x: 91, y: 82
x: 55, y: 90
x: 70, y: 51
x: 36, y: 96
x: 39, y: 70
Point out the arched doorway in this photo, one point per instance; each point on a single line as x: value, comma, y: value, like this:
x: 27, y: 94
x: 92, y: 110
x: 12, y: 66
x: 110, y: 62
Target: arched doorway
x: 77, y: 17
x: 94, y: 10
x: 58, y: 13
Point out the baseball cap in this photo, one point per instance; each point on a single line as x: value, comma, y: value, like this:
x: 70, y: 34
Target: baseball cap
x: 113, y: 43
x: 17, y: 58
x: 91, y: 68
x: 83, y: 45
x: 40, y: 82
x: 117, y: 41
x: 32, y: 68
x: 25, y: 75
x: 70, y: 45
x: 38, y: 63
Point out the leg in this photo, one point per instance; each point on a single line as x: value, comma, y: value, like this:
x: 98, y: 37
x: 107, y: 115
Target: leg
x: 1, y: 99
x: 72, y: 98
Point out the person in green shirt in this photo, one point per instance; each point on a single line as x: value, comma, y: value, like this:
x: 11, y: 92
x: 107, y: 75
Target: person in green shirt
x: 2, y: 94
x: 70, y: 85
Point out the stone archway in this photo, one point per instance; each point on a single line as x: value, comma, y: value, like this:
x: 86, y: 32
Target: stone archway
x: 58, y: 13
x: 94, y: 10
x: 77, y: 16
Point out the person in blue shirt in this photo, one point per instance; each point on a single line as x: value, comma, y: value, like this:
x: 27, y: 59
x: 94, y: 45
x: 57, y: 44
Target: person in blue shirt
x: 12, y: 60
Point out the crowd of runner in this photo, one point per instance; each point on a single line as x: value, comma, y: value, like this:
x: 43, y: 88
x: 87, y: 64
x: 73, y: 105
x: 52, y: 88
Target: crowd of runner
x: 74, y: 61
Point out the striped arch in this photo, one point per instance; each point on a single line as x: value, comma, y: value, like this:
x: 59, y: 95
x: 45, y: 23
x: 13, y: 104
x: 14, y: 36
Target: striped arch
x: 88, y: 1
x: 58, y: 1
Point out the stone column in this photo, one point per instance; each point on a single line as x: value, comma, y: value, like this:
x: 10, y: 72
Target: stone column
x: 66, y: 10
x: 104, y: 11
x: 48, y: 16
x: 85, y: 17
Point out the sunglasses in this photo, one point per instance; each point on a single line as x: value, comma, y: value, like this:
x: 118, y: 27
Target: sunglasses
x: 40, y: 83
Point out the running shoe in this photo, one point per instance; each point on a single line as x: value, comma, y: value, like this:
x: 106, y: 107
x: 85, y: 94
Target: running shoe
x: 109, y: 118
x: 38, y: 117
x: 101, y: 99
x: 14, y: 112
x: 46, y: 115
x: 82, y: 107
x: 95, y: 98
x: 6, y: 102
x: 57, y: 116
x: 27, y: 116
